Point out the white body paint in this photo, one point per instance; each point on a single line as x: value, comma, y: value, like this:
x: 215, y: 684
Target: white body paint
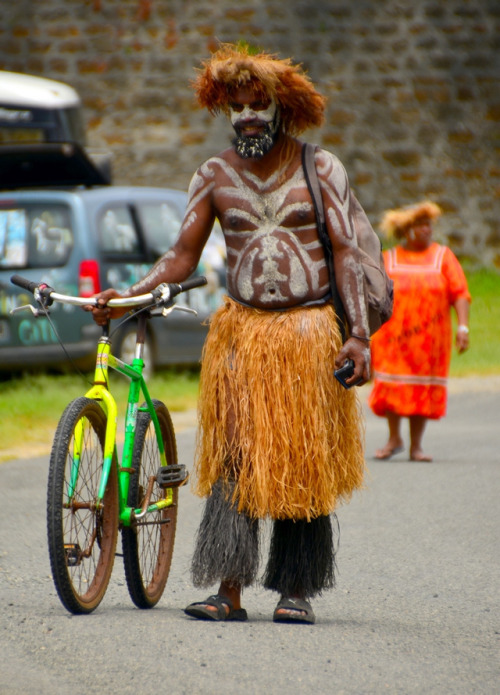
x: 269, y: 263
x: 238, y: 118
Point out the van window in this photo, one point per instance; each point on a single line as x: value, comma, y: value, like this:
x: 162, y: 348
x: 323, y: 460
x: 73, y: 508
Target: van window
x: 117, y: 232
x: 161, y: 223
x: 35, y: 236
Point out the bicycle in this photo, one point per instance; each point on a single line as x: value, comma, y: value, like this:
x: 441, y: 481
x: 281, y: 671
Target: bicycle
x: 92, y: 492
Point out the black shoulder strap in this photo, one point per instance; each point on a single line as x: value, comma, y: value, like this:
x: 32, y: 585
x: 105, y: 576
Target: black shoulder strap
x: 312, y: 180
x: 311, y: 176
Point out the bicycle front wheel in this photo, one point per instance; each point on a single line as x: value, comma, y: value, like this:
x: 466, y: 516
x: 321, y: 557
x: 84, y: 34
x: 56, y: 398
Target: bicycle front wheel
x: 148, y: 545
x: 82, y: 533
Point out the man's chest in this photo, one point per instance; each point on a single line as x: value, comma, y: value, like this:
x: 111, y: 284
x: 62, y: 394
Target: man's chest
x: 246, y: 203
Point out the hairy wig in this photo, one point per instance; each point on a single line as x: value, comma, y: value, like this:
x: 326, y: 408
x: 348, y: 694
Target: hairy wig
x: 396, y: 222
x: 232, y: 67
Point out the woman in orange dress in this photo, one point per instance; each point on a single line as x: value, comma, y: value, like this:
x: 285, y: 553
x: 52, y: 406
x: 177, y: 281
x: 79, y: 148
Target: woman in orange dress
x: 411, y: 352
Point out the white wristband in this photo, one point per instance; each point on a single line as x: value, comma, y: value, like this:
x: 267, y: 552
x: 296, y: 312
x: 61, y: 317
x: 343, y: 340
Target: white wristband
x: 463, y: 329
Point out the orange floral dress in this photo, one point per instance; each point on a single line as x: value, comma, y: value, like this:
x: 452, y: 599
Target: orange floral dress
x: 411, y: 353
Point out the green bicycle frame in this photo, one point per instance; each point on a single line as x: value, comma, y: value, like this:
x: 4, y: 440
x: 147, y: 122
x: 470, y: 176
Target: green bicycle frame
x: 100, y: 392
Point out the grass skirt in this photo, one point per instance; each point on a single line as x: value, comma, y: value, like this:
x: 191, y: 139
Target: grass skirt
x: 302, y: 557
x: 227, y: 544
x: 273, y: 419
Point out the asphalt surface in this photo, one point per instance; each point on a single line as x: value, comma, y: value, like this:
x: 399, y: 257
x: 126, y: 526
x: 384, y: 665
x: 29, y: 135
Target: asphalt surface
x: 416, y: 608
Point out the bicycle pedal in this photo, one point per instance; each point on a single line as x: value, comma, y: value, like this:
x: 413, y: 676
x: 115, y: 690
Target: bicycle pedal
x: 172, y: 476
x: 73, y: 554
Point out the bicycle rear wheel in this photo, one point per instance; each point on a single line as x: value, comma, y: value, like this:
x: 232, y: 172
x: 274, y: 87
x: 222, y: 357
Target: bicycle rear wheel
x: 82, y: 536
x: 148, y: 545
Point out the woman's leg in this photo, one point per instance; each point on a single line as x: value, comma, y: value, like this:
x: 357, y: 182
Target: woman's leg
x: 417, y: 428
x: 394, y: 443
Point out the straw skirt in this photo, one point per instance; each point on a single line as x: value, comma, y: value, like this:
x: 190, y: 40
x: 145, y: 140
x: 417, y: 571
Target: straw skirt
x: 274, y: 422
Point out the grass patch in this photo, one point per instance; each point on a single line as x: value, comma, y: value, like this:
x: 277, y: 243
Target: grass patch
x: 483, y: 356
x: 31, y: 405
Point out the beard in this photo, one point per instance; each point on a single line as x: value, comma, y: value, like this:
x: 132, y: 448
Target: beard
x: 255, y: 147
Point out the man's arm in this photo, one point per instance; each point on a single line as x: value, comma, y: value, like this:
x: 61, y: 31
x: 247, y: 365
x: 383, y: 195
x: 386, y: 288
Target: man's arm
x: 348, y: 270
x: 181, y: 260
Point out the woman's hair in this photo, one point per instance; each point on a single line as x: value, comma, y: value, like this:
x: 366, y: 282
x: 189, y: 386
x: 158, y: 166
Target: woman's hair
x: 232, y: 67
x: 396, y: 222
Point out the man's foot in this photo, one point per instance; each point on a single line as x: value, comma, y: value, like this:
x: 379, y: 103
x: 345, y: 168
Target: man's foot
x: 294, y: 610
x: 389, y: 450
x: 419, y: 456
x: 216, y: 607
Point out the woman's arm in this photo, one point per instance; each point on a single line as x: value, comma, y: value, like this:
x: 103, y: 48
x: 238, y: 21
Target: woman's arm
x: 462, y: 307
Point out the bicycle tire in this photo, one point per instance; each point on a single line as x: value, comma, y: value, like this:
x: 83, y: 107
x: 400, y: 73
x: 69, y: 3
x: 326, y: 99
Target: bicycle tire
x: 82, y: 539
x: 148, y: 544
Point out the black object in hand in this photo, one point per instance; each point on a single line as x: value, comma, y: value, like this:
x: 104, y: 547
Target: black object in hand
x: 344, y: 373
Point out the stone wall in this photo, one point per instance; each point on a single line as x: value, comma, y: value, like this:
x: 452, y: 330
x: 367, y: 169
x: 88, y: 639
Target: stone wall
x: 413, y: 90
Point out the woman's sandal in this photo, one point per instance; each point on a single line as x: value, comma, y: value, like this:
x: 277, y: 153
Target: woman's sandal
x: 199, y: 610
x: 300, y: 611
x: 386, y: 453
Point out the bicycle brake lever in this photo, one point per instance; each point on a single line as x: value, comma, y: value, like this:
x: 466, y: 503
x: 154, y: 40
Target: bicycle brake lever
x: 29, y: 307
x: 168, y: 309
x: 186, y: 309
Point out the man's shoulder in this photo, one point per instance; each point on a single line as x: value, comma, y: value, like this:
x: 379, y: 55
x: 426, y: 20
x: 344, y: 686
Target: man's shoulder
x: 331, y: 171
x: 216, y: 164
x: 218, y: 159
x: 327, y: 158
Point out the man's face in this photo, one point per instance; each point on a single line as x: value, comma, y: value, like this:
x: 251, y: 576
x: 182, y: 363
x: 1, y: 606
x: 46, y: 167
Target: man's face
x: 255, y: 121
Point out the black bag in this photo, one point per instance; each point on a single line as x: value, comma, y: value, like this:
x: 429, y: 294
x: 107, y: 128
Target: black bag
x: 379, y: 291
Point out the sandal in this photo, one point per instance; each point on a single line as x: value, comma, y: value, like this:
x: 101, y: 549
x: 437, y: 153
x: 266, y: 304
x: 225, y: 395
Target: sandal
x: 386, y: 453
x: 199, y: 610
x: 302, y: 611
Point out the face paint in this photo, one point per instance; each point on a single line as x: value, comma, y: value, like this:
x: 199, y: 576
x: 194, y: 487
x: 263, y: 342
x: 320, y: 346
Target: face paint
x: 255, y: 145
x: 239, y: 118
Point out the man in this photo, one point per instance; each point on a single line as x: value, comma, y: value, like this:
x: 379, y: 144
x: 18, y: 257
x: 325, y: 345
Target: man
x: 279, y: 436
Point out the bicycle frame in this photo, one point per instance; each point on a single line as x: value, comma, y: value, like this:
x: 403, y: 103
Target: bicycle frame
x: 100, y: 392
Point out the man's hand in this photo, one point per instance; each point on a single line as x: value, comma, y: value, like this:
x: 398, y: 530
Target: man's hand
x: 102, y: 313
x: 359, y: 352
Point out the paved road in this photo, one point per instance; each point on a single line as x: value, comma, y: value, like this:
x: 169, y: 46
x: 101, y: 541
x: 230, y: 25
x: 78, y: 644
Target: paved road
x: 416, y: 609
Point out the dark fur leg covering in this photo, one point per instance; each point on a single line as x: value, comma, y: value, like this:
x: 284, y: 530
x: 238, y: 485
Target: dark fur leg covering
x: 302, y: 557
x: 227, y: 543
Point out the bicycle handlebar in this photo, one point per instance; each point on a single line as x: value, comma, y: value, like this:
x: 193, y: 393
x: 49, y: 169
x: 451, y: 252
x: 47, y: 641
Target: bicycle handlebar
x: 191, y: 283
x: 24, y: 283
x: 162, y: 294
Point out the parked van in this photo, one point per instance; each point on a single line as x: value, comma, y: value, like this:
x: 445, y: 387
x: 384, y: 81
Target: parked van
x: 37, y: 110
x: 81, y: 242
x: 63, y: 224
x: 42, y: 136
